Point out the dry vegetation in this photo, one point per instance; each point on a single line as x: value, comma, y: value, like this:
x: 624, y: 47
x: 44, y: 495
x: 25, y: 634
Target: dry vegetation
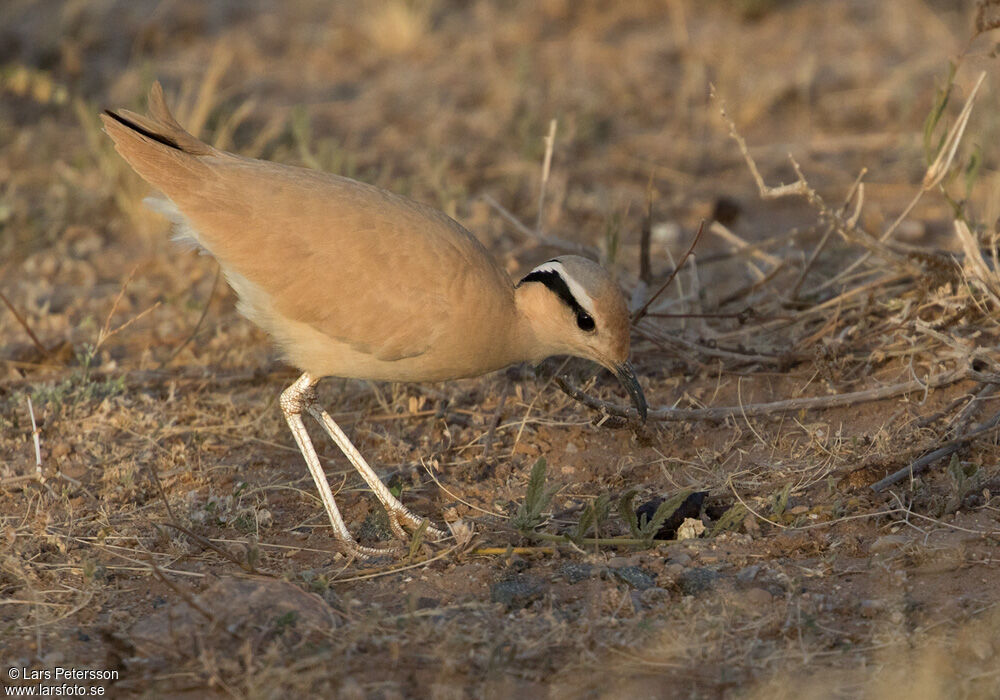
x: 824, y: 367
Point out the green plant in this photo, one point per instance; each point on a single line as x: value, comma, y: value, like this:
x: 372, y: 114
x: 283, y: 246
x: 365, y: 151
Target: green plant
x: 730, y: 520
x: 643, y: 528
x: 779, y: 501
x: 963, y: 480
x: 593, y: 516
x: 536, y: 499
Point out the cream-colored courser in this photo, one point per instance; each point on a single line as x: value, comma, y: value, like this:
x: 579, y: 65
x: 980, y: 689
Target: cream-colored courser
x: 354, y: 281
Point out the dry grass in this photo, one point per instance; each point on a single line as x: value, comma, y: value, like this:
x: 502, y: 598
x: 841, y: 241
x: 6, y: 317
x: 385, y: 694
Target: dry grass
x: 836, y: 323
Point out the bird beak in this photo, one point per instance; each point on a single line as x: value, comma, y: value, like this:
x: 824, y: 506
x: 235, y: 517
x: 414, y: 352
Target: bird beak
x: 626, y: 375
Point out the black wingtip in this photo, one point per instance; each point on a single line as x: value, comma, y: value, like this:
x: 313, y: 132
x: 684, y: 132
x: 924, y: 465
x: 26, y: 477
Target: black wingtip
x: 159, y: 138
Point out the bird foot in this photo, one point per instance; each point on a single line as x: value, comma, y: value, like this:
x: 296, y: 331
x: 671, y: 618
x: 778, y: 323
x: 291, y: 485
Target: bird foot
x: 399, y: 520
x: 353, y: 548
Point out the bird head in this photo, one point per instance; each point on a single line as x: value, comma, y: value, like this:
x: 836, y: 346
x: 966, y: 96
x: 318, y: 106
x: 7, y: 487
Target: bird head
x: 575, y: 307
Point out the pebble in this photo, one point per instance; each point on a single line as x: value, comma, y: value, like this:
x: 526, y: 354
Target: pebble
x: 575, y: 571
x: 518, y: 591
x: 635, y: 576
x: 674, y: 570
x: 654, y: 595
x: 758, y: 597
x: 697, y: 580
x: 682, y: 558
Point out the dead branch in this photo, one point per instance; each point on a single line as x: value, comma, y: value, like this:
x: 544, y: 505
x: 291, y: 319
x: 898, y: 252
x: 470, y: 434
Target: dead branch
x: 847, y: 229
x: 945, y: 450
x: 201, y: 319
x: 637, y: 316
x: 645, y: 235
x: 551, y: 241
x: 24, y: 324
x: 720, y: 413
x: 550, y: 142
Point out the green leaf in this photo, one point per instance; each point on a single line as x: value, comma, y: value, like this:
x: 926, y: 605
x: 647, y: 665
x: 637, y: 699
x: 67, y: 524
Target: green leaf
x: 593, y: 515
x: 536, y: 499
x: 972, y: 169
x: 934, y: 117
x: 663, y: 511
x: 302, y: 135
x: 730, y: 520
x: 418, y: 538
x: 627, y: 512
x: 779, y: 502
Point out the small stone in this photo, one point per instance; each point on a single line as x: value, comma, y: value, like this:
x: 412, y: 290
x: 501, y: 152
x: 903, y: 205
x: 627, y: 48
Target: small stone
x: 264, y: 518
x: 748, y: 573
x: 574, y: 571
x: 653, y: 596
x: 690, y: 529
x: 635, y: 576
x: 697, y: 580
x: 674, y: 570
x: 681, y: 558
x: 517, y: 591
x: 689, y: 508
x: 758, y: 597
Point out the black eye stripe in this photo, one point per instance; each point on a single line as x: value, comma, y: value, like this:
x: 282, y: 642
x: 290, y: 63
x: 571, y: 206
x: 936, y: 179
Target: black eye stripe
x: 555, y: 282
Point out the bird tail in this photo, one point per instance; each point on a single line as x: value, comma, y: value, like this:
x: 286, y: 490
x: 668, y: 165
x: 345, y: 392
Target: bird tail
x: 160, y: 126
x: 157, y: 147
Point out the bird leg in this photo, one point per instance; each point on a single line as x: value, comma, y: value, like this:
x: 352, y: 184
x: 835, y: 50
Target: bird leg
x: 399, y: 515
x: 301, y: 395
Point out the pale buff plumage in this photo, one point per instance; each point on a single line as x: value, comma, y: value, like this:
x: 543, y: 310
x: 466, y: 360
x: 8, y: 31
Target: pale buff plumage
x: 354, y: 281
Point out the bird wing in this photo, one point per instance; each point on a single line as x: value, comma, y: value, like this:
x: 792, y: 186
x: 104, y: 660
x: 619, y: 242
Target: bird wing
x: 355, y: 262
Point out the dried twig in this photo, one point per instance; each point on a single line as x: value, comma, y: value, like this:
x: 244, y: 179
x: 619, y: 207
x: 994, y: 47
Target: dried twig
x: 106, y: 331
x: 204, y: 542
x: 201, y: 319
x: 551, y: 241
x: 720, y: 413
x: 857, y: 188
x: 36, y: 436
x: 550, y: 142
x: 801, y: 188
x: 491, y: 433
x: 945, y: 450
x: 186, y: 596
x: 646, y: 234
x: 24, y: 324
x: 637, y: 316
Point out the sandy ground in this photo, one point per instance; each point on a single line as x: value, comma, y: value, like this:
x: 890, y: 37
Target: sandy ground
x: 175, y: 540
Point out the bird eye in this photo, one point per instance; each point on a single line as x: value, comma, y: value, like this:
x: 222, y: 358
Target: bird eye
x: 584, y: 321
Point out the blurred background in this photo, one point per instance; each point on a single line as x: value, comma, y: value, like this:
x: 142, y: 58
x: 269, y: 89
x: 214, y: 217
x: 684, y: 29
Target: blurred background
x: 115, y: 333
x: 450, y: 103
